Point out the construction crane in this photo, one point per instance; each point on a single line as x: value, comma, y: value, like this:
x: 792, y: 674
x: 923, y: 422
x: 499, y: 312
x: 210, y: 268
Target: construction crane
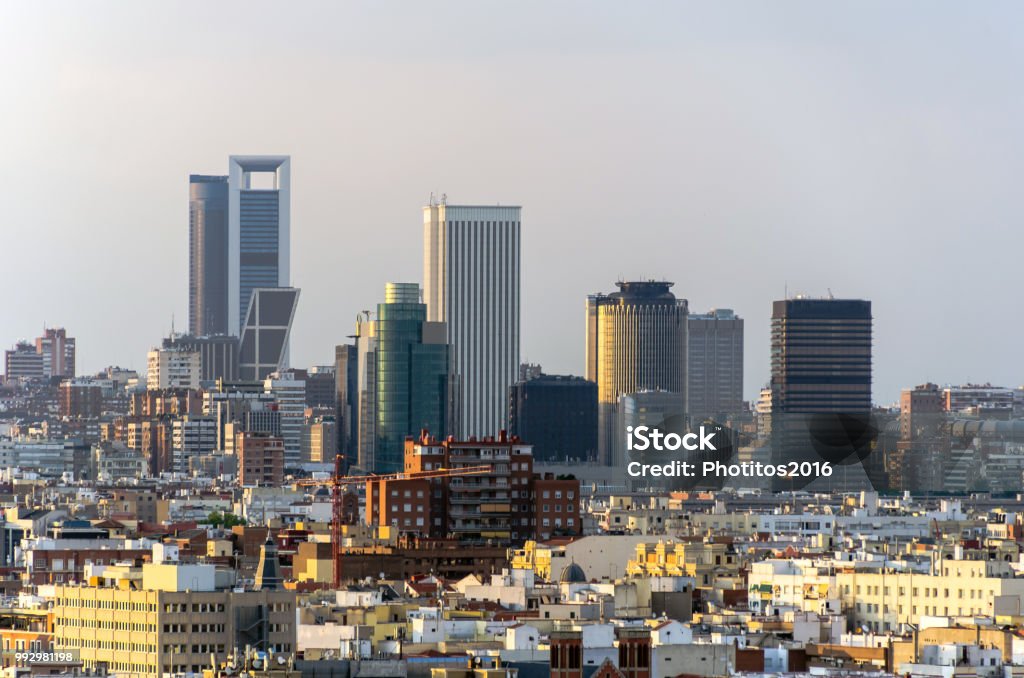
x: 339, y: 482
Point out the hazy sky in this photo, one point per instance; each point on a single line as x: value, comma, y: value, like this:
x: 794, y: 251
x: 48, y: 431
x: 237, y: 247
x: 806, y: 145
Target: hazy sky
x: 876, y: 149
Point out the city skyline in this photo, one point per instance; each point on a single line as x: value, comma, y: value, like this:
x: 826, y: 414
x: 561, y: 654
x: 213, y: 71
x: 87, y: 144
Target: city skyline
x: 877, y: 155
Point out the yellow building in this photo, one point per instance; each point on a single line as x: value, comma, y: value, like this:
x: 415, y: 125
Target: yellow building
x: 533, y: 556
x: 166, y: 618
x: 700, y: 560
x: 881, y: 601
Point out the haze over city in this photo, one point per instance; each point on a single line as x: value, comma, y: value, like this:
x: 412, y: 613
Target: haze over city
x: 873, y: 150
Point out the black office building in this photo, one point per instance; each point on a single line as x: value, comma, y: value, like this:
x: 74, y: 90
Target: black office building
x: 821, y: 384
x: 556, y: 414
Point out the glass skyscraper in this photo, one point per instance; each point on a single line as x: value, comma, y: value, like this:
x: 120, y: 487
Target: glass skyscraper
x: 259, y: 229
x: 239, y: 240
x: 207, y: 255
x: 412, y: 363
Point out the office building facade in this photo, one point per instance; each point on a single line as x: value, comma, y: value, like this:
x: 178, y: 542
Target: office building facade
x: 23, y: 362
x: 239, y: 240
x: 412, y: 374
x: 636, y: 340
x: 218, y: 354
x: 557, y: 415
x: 347, y: 399
x: 259, y: 228
x: 58, y: 352
x: 821, y: 380
x: 263, y: 345
x: 208, y: 255
x: 290, y: 394
x: 715, y: 365
x: 172, y: 368
x: 471, y: 264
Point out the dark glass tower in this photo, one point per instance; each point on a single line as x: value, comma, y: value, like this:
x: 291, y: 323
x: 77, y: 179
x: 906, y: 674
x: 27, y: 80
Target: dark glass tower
x: 821, y: 383
x: 412, y: 361
x: 557, y: 414
x: 207, y: 255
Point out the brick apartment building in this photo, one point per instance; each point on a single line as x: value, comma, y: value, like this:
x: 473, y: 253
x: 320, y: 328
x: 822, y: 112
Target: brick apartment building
x: 508, y: 504
x: 260, y: 459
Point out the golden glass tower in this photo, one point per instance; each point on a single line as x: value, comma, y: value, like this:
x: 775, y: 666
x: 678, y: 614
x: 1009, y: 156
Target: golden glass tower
x: 636, y: 342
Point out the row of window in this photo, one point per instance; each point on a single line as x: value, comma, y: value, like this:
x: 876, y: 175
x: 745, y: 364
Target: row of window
x: 124, y: 606
x: 73, y: 622
x: 928, y: 592
x: 194, y: 628
x: 91, y: 644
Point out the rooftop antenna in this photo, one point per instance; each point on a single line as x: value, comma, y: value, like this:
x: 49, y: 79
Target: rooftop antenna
x: 785, y: 289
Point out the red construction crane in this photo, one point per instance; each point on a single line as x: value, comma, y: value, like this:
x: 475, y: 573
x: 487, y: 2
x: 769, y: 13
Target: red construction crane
x: 340, y: 481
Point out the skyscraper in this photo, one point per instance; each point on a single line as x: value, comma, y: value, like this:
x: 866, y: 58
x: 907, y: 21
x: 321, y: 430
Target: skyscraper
x: 715, y: 364
x: 263, y: 346
x: 471, y: 282
x: 821, y: 380
x: 239, y: 239
x: 346, y: 384
x: 259, y: 228
x: 636, y: 341
x: 412, y: 374
x: 208, y: 255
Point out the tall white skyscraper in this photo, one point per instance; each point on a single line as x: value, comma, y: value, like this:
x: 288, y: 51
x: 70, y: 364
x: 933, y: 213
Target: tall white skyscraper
x: 471, y: 282
x: 259, y: 229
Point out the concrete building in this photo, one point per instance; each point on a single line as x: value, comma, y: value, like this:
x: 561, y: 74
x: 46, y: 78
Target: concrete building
x: 218, y: 354
x: 290, y: 394
x: 319, y: 437
x: 983, y: 399
x: 471, y: 271
x: 885, y: 600
x: 170, y: 368
x: 321, y: 387
x: 58, y: 352
x: 506, y: 505
x: 166, y: 618
x: 260, y: 459
x: 715, y: 365
x: 81, y: 398
x: 192, y: 436
x: 636, y: 341
x: 23, y: 362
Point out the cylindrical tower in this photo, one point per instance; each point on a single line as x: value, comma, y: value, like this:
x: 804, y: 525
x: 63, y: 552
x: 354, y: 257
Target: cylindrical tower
x: 636, y: 342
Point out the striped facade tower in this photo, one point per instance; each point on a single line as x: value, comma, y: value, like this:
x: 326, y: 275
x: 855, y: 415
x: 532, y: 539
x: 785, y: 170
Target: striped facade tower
x: 471, y: 282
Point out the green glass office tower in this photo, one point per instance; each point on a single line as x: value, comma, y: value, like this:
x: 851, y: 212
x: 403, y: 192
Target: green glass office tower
x: 412, y: 365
